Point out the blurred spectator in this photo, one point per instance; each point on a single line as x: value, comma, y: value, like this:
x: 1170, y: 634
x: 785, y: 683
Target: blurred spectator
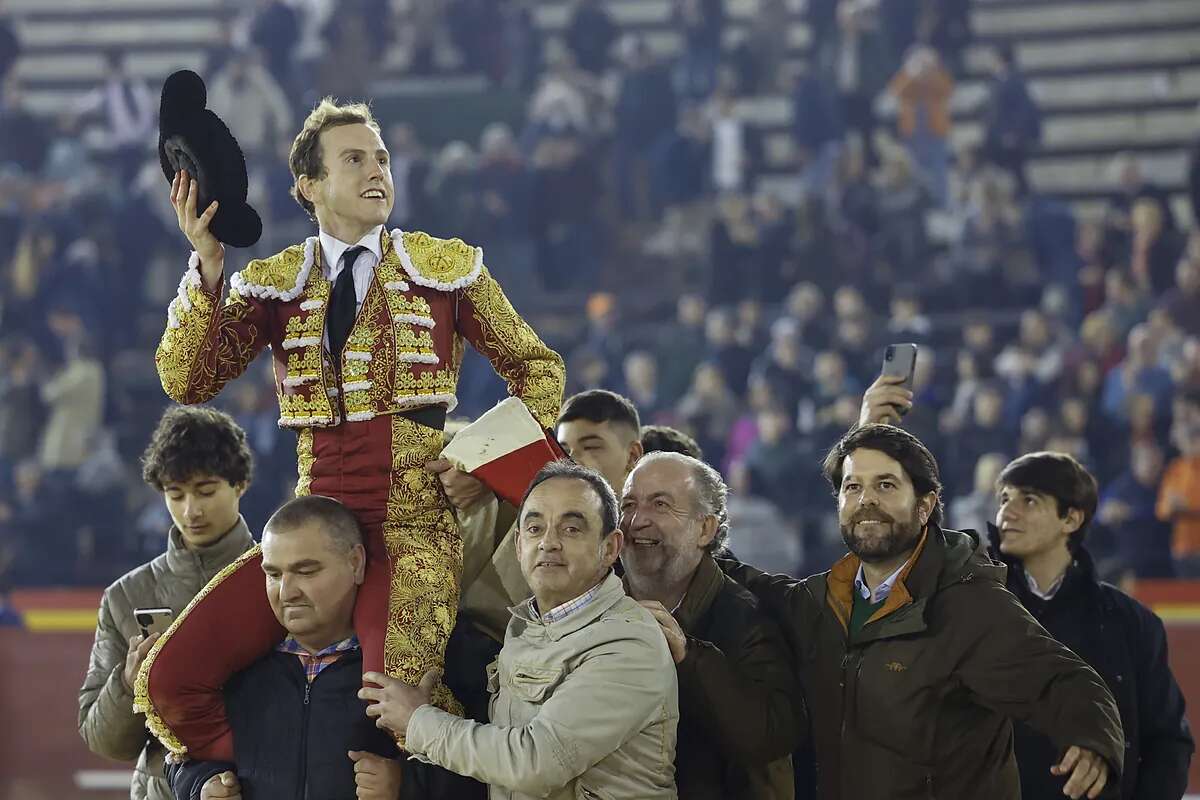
x: 784, y: 366
x: 590, y: 35
x: 946, y: 25
x: 24, y: 136
x: 922, y: 88
x: 702, y: 22
x: 641, y: 384
x: 522, y: 45
x: 10, y: 45
x: 1139, y: 373
x: 731, y: 356
x: 908, y: 322
x: 1182, y: 300
x: 477, y: 29
x: 984, y: 431
x: 347, y: 66
x: 817, y: 130
x: 410, y: 175
x: 1143, y: 542
x: 708, y: 410
x: 903, y: 201
x: 973, y: 511
x: 774, y: 460
x: 1179, y: 493
x: 256, y: 108
x: 502, y: 183
x: 860, y: 68
x: 733, y: 250
x: 1011, y: 118
x: 21, y: 411
x: 127, y: 112
x: 681, y: 161
x: 1124, y: 302
x: 74, y: 398
x: 275, y: 28
x: 762, y: 54
x: 1156, y: 247
x: 733, y: 145
x: 566, y: 191
x: 677, y: 351
x: 644, y: 115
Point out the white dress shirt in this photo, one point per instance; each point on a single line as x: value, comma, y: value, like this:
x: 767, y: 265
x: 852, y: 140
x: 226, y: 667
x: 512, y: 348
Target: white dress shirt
x: 880, y: 592
x: 364, y: 266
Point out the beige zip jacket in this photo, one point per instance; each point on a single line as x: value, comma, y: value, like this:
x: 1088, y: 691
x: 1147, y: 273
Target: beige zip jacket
x: 106, y: 719
x: 585, y: 707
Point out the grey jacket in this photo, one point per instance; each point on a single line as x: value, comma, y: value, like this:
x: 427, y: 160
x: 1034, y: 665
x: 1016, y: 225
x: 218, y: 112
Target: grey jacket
x: 106, y: 719
x: 585, y: 707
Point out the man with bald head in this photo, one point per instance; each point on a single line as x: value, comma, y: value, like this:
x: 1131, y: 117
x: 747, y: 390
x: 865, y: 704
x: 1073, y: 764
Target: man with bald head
x: 739, y: 718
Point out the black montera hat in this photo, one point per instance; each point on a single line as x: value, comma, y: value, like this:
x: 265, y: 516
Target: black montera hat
x: 193, y: 138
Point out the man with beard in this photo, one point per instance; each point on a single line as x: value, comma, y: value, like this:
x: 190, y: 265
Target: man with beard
x: 738, y: 717
x: 913, y: 657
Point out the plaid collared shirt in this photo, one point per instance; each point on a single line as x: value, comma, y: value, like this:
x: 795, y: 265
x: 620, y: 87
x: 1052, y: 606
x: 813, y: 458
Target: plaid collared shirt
x: 559, y: 613
x: 314, y: 663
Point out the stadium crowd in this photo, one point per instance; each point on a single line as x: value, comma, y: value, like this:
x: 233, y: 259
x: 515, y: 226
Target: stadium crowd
x: 1037, y: 330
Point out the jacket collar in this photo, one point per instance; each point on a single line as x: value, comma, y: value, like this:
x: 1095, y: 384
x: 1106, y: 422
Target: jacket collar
x: 701, y: 592
x: 332, y: 248
x: 611, y: 592
x: 1080, y: 576
x: 942, y: 558
x: 212, y: 558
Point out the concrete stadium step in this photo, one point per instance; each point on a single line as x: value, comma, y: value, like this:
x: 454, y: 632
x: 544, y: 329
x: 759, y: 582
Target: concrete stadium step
x: 1097, y: 53
x: 41, y: 35
x: 151, y: 8
x: 1051, y: 19
x: 1122, y: 130
x: 1073, y: 174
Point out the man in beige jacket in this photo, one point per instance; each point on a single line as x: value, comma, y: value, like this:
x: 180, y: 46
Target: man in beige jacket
x: 198, y: 459
x: 584, y: 694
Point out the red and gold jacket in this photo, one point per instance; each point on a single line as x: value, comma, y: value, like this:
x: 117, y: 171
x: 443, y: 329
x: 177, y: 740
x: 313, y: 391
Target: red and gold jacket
x: 427, y: 296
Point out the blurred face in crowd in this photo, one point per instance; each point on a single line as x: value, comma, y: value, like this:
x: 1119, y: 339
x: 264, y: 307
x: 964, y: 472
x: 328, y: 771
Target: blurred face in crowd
x: 773, y: 425
x: 1035, y: 333
x: 1146, y: 463
x: 666, y: 529
x: 978, y: 336
x: 987, y: 470
x: 718, y: 328
x: 356, y: 193
x: 562, y: 547
x: 1029, y: 522
x: 1187, y: 274
x: 610, y: 448
x: 830, y: 371
x: 988, y: 406
x: 641, y: 371
x: 804, y: 302
x: 1075, y: 415
x: 1035, y: 428
x: 204, y: 508
x: 691, y: 310
x: 879, y: 512
x: 312, y: 582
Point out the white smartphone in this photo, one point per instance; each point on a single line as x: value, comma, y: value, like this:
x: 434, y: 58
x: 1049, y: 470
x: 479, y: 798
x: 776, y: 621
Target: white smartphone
x: 900, y: 360
x: 153, y: 621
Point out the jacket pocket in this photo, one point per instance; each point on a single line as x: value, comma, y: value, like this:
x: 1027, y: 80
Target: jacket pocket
x: 534, y: 683
x: 584, y: 793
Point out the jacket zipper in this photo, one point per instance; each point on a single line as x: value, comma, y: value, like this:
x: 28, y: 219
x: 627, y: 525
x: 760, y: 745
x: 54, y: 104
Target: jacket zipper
x: 303, y: 784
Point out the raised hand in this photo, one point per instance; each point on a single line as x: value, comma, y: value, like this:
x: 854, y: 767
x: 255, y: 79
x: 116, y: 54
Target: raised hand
x: 212, y: 253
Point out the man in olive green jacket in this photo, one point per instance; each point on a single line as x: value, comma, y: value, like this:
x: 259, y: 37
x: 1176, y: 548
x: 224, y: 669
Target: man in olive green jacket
x: 913, y: 656
x: 584, y: 693
x: 199, y: 460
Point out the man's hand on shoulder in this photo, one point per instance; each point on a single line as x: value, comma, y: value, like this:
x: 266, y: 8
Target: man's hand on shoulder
x: 222, y: 787
x: 376, y: 777
x: 392, y: 706
x: 676, y: 638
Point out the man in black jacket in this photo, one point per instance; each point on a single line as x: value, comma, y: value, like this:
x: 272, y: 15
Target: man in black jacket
x: 1047, y: 501
x: 299, y: 729
x: 739, y: 717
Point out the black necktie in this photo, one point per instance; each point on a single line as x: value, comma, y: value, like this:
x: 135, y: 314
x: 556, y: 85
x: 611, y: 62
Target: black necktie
x: 343, y: 305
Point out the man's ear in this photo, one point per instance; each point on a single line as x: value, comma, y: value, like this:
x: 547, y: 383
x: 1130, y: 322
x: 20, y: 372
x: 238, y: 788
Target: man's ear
x: 636, y: 451
x: 304, y: 185
x: 1073, y: 521
x: 925, y: 506
x: 708, y: 530
x: 358, y: 562
x: 612, y: 546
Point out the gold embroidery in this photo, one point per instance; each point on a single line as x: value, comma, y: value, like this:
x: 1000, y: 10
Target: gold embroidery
x: 179, y: 347
x: 305, y: 405
x: 141, y: 685
x: 413, y: 340
x: 304, y: 462
x: 303, y: 325
x: 305, y: 364
x: 534, y: 372
x: 278, y: 272
x: 442, y: 260
x: 422, y: 539
x: 442, y: 381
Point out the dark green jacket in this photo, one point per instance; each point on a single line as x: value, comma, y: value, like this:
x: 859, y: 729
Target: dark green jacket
x: 920, y: 703
x: 739, y: 717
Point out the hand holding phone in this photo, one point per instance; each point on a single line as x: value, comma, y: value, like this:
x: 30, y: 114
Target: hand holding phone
x: 890, y: 397
x: 153, y: 621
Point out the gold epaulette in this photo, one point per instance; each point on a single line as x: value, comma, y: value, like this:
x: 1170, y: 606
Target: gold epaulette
x: 445, y: 264
x: 278, y: 277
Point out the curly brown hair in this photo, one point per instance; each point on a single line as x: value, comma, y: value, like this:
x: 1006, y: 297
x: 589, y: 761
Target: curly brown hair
x: 196, y: 440
x: 305, y: 157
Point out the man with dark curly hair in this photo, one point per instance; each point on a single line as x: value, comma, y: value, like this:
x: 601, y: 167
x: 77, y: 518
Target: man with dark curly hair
x: 199, y: 460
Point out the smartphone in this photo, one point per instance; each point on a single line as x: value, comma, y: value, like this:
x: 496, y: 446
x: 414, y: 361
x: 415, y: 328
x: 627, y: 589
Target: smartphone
x: 900, y: 360
x: 153, y: 621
